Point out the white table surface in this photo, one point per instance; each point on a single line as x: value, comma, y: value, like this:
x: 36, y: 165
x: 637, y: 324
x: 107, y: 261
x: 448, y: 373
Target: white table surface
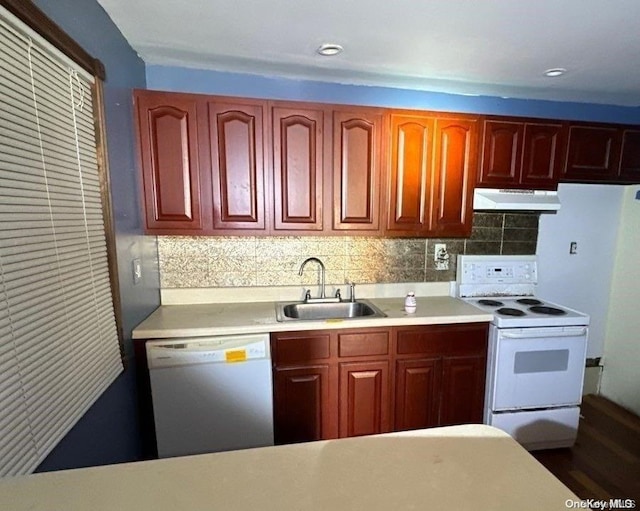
x: 456, y: 468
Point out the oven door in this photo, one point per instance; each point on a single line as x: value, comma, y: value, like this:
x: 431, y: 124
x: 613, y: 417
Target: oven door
x: 537, y: 367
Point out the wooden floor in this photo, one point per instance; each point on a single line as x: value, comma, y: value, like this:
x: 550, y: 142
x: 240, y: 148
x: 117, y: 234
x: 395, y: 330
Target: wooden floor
x: 605, y: 461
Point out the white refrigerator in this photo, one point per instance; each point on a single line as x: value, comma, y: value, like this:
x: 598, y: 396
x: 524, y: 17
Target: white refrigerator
x: 620, y: 376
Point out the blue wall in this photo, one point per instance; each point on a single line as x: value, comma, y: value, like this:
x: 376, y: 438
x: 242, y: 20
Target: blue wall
x: 109, y: 433
x: 237, y: 84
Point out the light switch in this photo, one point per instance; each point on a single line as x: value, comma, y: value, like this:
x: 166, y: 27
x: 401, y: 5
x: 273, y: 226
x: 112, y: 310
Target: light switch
x: 573, y: 248
x: 137, y: 271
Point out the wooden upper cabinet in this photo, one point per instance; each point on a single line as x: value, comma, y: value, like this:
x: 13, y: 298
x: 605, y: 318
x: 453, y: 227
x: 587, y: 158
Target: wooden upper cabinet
x: 522, y: 154
x: 543, y: 155
x: 168, y: 150
x: 593, y: 153
x: 501, y: 154
x: 431, y: 176
x: 630, y: 160
x: 357, y: 157
x: 456, y: 159
x: 411, y: 174
x: 298, y: 156
x: 236, y: 147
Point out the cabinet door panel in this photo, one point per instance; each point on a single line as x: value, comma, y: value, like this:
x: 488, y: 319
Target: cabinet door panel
x: 356, y: 170
x: 298, y: 168
x: 410, y: 201
x: 236, y: 138
x: 593, y: 153
x: 455, y: 163
x: 168, y: 133
x: 630, y: 162
x: 417, y: 393
x: 543, y: 156
x: 502, y: 154
x: 364, y: 398
x: 463, y: 381
x: 301, y: 404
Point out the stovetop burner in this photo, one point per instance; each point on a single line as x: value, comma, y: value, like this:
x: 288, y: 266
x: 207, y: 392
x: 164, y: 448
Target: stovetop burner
x: 544, y: 309
x: 509, y: 311
x: 506, y: 288
x: 529, y: 301
x: 491, y: 303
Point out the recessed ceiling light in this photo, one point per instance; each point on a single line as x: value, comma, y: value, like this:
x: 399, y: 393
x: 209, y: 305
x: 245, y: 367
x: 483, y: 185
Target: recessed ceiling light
x: 556, y: 71
x: 330, y: 49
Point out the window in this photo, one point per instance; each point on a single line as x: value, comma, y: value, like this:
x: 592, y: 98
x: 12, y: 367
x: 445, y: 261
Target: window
x: 59, y: 347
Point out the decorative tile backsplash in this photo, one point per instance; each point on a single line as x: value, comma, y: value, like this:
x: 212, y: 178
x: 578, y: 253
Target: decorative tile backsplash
x: 192, y: 262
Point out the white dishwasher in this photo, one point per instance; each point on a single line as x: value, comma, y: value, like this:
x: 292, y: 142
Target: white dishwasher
x: 211, y: 394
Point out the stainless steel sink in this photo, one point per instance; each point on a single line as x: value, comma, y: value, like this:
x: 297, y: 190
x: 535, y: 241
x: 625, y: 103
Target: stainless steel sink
x: 300, y: 311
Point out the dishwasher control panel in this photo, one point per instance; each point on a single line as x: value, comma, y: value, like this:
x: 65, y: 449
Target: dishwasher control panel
x: 231, y: 349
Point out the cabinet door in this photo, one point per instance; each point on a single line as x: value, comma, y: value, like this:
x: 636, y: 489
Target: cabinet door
x: 237, y: 165
x: 417, y: 393
x: 593, y: 153
x: 411, y: 174
x: 544, y: 151
x: 301, y: 406
x: 168, y: 132
x: 357, y: 157
x: 630, y: 161
x: 501, y: 154
x: 297, y: 168
x: 364, y: 398
x: 463, y: 381
x: 455, y: 163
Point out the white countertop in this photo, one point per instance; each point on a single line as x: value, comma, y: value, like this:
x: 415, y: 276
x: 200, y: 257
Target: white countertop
x: 177, y: 321
x: 461, y: 468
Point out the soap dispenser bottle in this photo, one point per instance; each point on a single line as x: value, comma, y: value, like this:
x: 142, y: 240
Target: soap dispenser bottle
x: 410, y: 303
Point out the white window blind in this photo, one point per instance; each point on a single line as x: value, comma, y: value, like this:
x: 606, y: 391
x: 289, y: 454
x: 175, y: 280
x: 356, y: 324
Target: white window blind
x: 59, y: 347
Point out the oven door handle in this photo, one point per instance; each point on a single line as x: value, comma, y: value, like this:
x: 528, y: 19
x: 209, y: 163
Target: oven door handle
x: 540, y: 334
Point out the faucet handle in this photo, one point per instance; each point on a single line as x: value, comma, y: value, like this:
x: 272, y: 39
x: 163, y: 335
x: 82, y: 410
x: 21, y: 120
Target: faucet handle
x: 338, y: 295
x: 307, y: 295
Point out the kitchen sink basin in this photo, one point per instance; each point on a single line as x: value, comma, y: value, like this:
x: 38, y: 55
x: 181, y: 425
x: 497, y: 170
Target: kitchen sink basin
x: 300, y: 311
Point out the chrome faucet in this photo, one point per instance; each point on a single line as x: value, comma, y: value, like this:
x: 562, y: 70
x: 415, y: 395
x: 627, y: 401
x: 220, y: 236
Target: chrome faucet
x: 323, y: 296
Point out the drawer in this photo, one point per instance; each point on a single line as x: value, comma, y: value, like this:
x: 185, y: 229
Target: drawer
x: 363, y: 344
x: 442, y: 340
x: 301, y: 347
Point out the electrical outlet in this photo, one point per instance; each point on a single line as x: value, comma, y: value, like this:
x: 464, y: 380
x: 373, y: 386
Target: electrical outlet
x: 573, y: 248
x: 441, y: 257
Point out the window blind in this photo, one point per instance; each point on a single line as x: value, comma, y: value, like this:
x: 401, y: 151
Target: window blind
x: 59, y: 346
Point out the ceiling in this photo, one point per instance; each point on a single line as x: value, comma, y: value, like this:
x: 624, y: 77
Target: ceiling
x: 474, y: 47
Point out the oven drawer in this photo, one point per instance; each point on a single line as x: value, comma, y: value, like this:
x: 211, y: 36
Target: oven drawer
x: 551, y: 428
x: 537, y: 367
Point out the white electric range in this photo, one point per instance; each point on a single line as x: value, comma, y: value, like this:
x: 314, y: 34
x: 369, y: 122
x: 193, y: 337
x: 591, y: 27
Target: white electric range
x: 536, y: 352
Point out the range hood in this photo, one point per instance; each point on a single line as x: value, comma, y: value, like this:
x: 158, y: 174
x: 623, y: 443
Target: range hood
x: 520, y: 200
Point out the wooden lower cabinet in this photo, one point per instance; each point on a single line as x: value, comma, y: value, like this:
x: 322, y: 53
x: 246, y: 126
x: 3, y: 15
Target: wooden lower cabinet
x: 301, y: 404
x: 364, y: 398
x: 462, y: 390
x: 440, y: 375
x: 417, y: 393
x: 342, y: 383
